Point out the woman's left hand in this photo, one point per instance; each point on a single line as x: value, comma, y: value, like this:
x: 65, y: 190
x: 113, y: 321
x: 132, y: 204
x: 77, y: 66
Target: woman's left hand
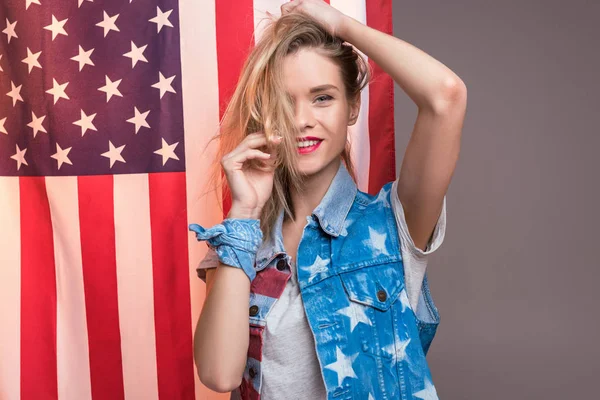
x: 326, y: 15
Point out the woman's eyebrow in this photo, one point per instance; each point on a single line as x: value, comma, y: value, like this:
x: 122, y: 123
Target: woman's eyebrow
x: 322, y: 88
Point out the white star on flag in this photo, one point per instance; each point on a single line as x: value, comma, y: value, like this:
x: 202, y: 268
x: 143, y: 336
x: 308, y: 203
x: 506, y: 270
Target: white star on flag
x: 85, y: 123
x: 1, y: 65
x: 429, y: 393
x: 80, y: 2
x: 10, y: 31
x: 114, y: 153
x: 167, y: 151
x: 376, y: 241
x: 108, y: 23
x: 58, y: 90
x: 136, y: 54
x: 397, y: 349
x: 139, y: 119
x: 161, y: 19
x: 19, y: 156
x: 83, y: 58
x: 36, y: 124
x: 342, y: 366
x: 32, y: 59
x: 110, y: 88
x: 56, y: 27
x: 356, y: 313
x: 61, y: 156
x: 30, y: 2
x: 164, y: 84
x: 2, y: 128
x: 15, y: 93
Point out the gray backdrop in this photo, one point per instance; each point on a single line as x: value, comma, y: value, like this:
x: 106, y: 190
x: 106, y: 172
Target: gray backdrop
x: 515, y: 280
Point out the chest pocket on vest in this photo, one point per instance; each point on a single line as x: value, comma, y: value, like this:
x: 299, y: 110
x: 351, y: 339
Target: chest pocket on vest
x: 377, y: 286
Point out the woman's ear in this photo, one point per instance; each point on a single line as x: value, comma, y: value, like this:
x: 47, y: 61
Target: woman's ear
x: 354, y: 110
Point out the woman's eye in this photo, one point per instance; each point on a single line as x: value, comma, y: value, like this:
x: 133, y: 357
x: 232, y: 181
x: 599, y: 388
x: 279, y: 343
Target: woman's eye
x: 322, y: 98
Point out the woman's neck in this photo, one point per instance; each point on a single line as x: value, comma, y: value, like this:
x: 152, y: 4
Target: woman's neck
x: 313, y: 190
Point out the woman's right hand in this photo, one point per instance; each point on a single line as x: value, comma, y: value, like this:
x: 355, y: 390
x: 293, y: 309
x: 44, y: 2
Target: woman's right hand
x: 250, y: 186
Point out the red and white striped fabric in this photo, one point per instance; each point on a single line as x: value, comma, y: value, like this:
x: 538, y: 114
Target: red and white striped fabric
x: 98, y: 290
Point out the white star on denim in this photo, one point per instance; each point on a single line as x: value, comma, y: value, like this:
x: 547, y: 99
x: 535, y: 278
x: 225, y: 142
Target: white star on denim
x: 397, y: 349
x: 382, y: 197
x: 319, y: 266
x: 356, y: 314
x: 342, y: 366
x: 404, y: 300
x: 376, y: 241
x: 347, y: 224
x: 429, y: 393
x: 371, y: 396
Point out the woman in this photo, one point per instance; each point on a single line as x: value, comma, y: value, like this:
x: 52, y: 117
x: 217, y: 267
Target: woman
x: 335, y: 278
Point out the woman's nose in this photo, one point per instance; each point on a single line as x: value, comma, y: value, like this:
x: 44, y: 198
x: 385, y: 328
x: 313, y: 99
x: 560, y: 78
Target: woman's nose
x: 304, y: 115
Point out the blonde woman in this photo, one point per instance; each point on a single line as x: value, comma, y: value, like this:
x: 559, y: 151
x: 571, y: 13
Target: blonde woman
x: 316, y: 290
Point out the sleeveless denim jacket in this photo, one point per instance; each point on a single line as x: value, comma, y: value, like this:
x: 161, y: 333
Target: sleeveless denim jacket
x: 370, y: 343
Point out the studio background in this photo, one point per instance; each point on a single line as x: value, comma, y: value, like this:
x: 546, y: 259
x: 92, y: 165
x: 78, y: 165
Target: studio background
x: 516, y: 278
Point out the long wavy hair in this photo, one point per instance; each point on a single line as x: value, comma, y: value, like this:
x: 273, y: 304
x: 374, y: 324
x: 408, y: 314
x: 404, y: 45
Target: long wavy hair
x: 260, y: 103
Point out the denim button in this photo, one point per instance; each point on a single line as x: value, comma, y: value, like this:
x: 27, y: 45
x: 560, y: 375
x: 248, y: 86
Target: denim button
x: 253, y: 310
x: 252, y: 373
x: 365, y: 347
x: 281, y: 264
x: 382, y: 295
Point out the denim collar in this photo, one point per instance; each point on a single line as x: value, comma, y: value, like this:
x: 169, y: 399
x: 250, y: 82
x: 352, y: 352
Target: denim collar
x: 336, y: 203
x: 331, y: 214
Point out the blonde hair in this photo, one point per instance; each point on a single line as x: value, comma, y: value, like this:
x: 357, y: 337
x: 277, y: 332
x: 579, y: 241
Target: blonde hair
x: 260, y: 102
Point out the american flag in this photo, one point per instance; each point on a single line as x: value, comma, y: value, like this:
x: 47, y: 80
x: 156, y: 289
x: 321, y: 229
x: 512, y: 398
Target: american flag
x: 106, y: 110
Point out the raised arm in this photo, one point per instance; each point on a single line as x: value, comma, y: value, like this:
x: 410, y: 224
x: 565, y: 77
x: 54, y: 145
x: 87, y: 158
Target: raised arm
x: 441, y: 98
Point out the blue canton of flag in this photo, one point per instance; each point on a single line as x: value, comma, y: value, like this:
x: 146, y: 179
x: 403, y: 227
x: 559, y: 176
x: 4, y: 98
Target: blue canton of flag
x: 90, y: 88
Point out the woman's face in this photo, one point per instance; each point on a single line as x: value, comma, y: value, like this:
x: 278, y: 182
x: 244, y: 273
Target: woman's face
x: 322, y: 110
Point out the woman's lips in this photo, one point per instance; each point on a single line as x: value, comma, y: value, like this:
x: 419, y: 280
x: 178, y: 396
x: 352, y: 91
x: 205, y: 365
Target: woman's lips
x: 309, y: 149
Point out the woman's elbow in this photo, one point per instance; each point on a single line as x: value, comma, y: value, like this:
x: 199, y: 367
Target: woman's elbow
x: 216, y: 381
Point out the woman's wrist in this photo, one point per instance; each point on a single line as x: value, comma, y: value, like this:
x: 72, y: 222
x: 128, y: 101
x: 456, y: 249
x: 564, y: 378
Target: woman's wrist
x: 243, y: 213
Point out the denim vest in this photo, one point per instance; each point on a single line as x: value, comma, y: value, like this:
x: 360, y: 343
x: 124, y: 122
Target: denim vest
x: 370, y: 343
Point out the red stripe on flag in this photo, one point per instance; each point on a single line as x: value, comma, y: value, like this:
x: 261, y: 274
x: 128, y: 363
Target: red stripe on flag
x: 172, y: 309
x: 234, y: 27
x: 98, y: 256
x: 38, y: 293
x: 381, y: 106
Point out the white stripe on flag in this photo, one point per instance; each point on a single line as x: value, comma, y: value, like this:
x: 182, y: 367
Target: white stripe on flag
x: 135, y: 286
x: 201, y: 121
x: 72, y: 351
x: 260, y: 14
x: 359, y: 132
x: 10, y: 295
